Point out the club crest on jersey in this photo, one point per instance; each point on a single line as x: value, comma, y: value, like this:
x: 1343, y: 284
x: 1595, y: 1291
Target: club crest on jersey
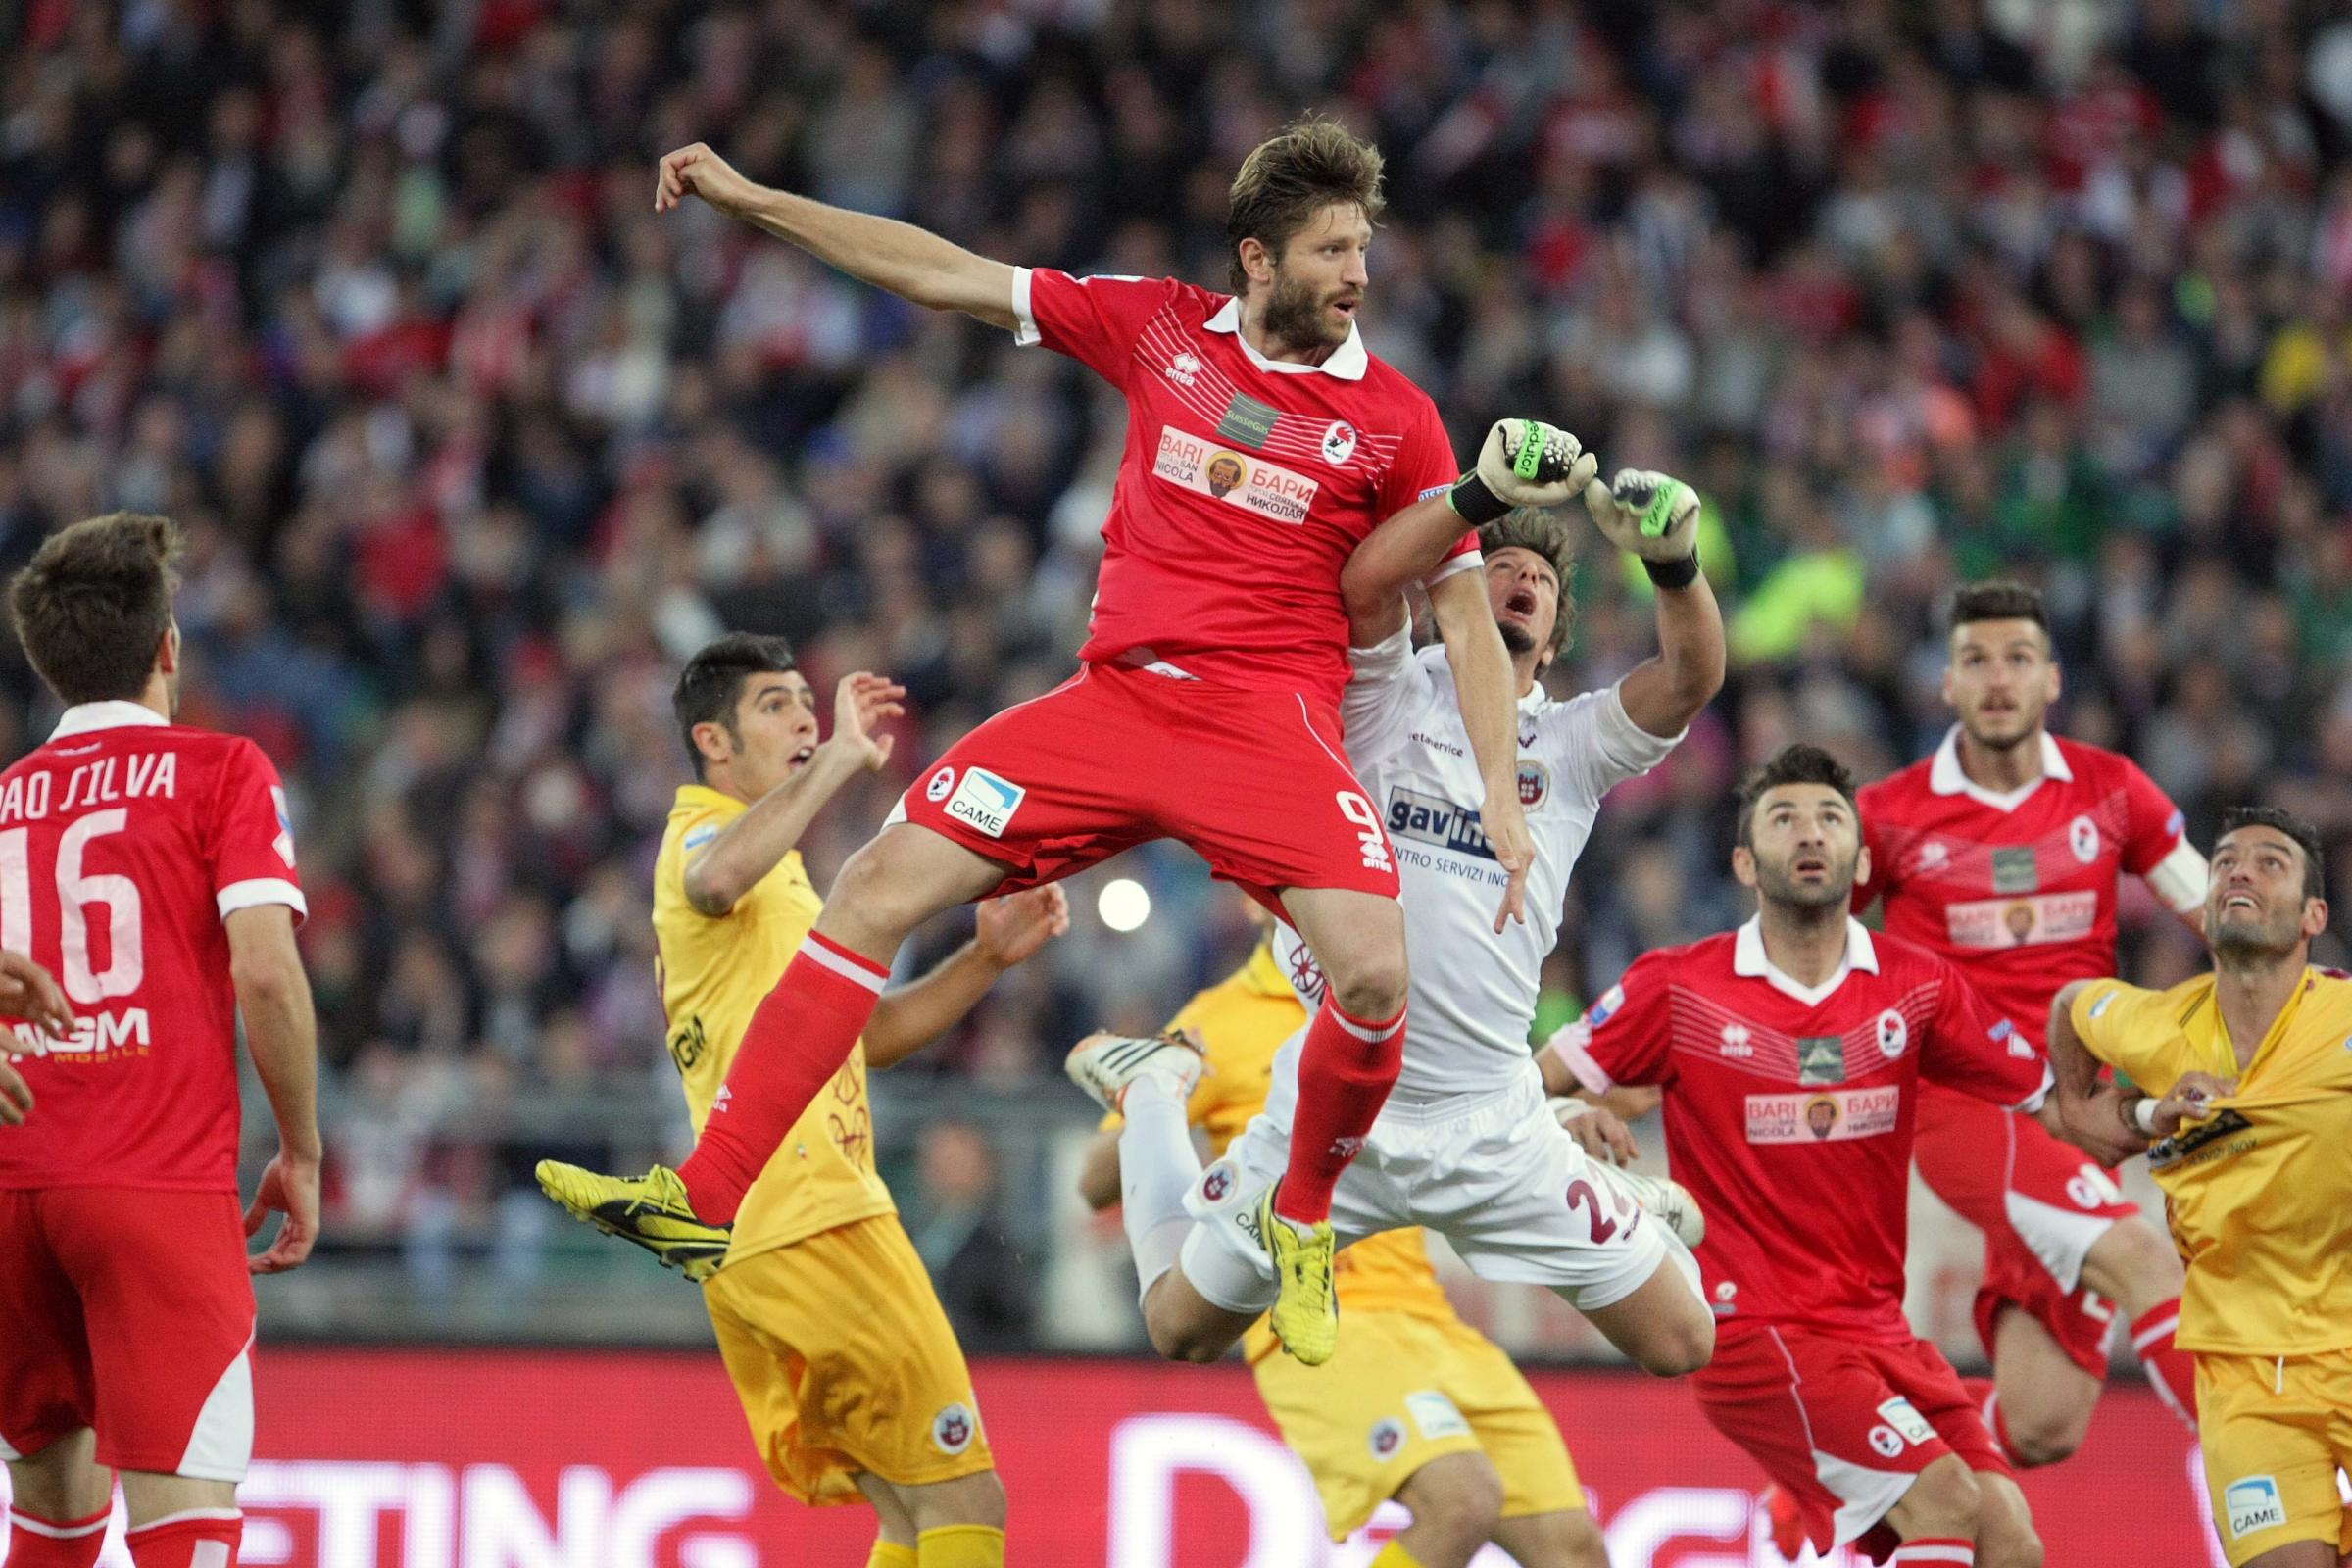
x: 2083, y: 837
x: 1215, y: 1183
x: 1893, y: 1034
x: 941, y: 782
x: 1535, y: 782
x: 1338, y: 443
x: 953, y: 1428
x: 1387, y: 1436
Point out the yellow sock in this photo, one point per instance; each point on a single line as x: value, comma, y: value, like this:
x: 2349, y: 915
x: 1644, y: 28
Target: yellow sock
x: 890, y: 1555
x: 960, y: 1546
x: 1393, y: 1555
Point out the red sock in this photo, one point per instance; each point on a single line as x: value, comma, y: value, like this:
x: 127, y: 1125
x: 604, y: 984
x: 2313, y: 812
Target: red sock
x: 2172, y: 1373
x: 198, y: 1537
x: 1346, y: 1068
x: 1987, y: 1401
x: 1941, y: 1549
x: 797, y: 1041
x: 38, y: 1542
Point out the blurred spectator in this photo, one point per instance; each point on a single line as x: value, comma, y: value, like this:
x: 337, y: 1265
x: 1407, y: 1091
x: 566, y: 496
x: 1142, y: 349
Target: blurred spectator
x: 955, y: 1218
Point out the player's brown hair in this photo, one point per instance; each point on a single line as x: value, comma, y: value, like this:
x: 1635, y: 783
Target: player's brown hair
x: 1312, y: 163
x: 711, y: 683
x: 1999, y: 601
x: 94, y: 604
x: 1543, y: 533
x: 1797, y: 763
x: 2306, y: 837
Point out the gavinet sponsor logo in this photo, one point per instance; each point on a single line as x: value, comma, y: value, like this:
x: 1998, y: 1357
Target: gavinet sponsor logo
x: 1244, y: 480
x: 1827, y: 1116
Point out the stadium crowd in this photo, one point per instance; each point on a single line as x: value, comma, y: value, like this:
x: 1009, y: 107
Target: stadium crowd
x: 474, y: 449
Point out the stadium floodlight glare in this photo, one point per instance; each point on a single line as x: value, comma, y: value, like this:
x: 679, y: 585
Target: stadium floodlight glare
x: 1123, y: 904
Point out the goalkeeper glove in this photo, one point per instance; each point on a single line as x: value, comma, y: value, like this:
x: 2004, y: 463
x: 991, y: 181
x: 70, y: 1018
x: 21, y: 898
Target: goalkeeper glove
x: 1653, y: 515
x: 1524, y: 462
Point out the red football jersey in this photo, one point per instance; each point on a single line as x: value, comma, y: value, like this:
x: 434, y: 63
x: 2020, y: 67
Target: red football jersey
x: 124, y: 843
x: 2018, y: 890
x: 1246, y: 483
x: 1789, y: 1111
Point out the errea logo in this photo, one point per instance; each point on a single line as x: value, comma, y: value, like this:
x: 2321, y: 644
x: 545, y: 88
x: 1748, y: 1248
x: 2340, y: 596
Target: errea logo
x: 1183, y: 369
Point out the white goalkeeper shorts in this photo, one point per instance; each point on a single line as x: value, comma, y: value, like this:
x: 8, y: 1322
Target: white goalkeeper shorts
x: 1493, y: 1172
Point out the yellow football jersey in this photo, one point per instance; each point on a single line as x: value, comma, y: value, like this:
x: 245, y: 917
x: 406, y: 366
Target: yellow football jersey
x: 1242, y: 1019
x: 715, y: 970
x: 2261, y: 1191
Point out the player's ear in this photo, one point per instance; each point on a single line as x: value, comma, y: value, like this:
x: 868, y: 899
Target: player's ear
x: 1862, y: 866
x: 2314, y: 918
x: 1947, y: 685
x: 1256, y: 260
x: 167, y: 654
x: 2054, y: 682
x: 1744, y: 865
x: 711, y: 738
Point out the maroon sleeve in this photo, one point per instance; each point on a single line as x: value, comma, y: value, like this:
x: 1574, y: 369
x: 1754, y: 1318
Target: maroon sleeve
x: 1094, y: 320
x: 1974, y: 1049
x: 2152, y: 822
x: 252, y: 838
x: 1627, y: 1036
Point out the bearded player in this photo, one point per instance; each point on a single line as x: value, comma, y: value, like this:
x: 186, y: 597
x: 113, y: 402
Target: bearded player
x: 875, y: 1401
x: 1791, y: 1054
x: 1264, y: 444
x: 1467, y: 1146
x: 2001, y: 852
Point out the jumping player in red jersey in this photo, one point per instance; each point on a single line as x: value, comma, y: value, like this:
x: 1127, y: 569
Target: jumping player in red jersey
x: 1264, y: 445
x: 152, y: 867
x: 2001, y: 852
x: 1793, y: 1053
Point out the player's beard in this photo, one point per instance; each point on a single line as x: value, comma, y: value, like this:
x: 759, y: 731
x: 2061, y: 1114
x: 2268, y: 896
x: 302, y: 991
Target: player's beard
x: 2254, y: 939
x: 1294, y: 315
x: 1835, y: 892
x: 1517, y: 639
x: 2028, y: 727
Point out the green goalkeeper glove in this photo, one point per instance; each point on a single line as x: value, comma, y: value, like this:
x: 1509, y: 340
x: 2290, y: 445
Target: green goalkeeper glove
x: 1524, y: 462
x: 1653, y: 515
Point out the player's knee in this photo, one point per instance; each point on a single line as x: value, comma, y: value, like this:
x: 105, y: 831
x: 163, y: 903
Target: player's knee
x: 1580, y: 1543
x: 973, y: 1499
x: 1183, y: 1342
x: 1679, y: 1344
x: 2044, y: 1435
x: 1943, y: 1501
x: 2006, y: 1535
x: 1371, y: 985
x: 2136, y: 1263
x: 1457, y: 1499
x: 877, y: 897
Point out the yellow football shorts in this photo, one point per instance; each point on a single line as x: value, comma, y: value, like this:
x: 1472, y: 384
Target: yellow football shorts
x: 2275, y: 1432
x: 1405, y: 1390
x: 845, y: 1362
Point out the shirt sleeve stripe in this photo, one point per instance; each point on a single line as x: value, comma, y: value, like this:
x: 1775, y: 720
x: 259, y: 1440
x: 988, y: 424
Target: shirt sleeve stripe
x: 257, y: 890
x: 1024, y: 319
x: 1467, y: 561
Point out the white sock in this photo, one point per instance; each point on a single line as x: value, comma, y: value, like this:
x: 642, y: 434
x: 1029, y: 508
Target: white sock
x: 1157, y: 1165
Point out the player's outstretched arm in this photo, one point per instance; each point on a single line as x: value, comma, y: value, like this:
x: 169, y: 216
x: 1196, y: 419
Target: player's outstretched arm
x: 282, y: 1033
x: 1487, y: 689
x: 911, y: 263
x: 1656, y: 518
x: 1008, y: 930
x: 2098, y: 1119
x: 1524, y: 462
x: 746, y: 848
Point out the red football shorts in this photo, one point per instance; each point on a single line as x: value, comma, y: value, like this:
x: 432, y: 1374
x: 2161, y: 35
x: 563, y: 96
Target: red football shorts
x: 2041, y: 1206
x: 1253, y: 782
x: 1842, y: 1426
x: 129, y: 1312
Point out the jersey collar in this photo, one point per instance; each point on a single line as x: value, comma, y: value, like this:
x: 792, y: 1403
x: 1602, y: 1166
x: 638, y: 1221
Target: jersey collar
x: 1749, y: 962
x: 113, y: 713
x: 1945, y: 777
x: 1347, y: 362
x: 702, y: 798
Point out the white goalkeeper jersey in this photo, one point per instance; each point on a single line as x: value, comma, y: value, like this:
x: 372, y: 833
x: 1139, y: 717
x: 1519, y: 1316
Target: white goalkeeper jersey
x: 1473, y: 994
